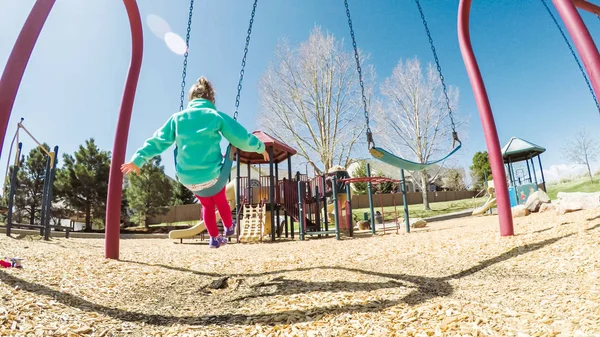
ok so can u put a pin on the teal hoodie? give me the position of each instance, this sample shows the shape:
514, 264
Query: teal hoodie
197, 132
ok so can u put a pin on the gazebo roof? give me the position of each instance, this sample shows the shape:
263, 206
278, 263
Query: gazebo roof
518, 149
281, 151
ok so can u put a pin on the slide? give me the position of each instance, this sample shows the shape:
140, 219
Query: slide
331, 210
490, 203
199, 228
189, 232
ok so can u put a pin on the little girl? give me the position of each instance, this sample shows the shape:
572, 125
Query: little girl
197, 132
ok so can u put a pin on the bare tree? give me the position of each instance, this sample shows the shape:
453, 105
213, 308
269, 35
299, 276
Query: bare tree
413, 119
453, 180
583, 149
310, 98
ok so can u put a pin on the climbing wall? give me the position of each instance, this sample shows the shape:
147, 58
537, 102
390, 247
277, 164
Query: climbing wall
252, 221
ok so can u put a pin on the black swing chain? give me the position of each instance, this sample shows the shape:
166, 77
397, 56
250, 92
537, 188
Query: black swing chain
573, 53
239, 87
439, 69
359, 69
185, 56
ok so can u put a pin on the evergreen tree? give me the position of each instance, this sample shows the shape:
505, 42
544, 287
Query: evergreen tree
363, 188
151, 191
481, 169
29, 192
182, 195
360, 172
82, 183
386, 187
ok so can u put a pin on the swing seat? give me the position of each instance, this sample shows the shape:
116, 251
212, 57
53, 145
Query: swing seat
391, 159
223, 175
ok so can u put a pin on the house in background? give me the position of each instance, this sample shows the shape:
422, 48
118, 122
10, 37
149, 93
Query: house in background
377, 168
381, 168
256, 172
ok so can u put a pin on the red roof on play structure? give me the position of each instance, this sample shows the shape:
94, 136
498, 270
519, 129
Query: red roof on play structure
281, 151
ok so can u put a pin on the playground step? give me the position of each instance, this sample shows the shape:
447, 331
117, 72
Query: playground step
455, 215
321, 232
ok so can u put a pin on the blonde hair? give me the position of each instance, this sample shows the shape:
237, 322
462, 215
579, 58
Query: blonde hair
202, 89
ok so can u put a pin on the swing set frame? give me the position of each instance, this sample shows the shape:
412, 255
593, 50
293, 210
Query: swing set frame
45, 226
588, 52
21, 53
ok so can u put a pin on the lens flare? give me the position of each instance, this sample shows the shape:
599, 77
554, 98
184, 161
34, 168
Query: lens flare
157, 25
175, 43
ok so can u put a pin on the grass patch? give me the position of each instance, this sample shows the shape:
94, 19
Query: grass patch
177, 224
580, 185
159, 228
414, 211
417, 211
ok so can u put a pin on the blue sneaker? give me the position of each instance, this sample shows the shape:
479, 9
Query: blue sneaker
217, 242
230, 231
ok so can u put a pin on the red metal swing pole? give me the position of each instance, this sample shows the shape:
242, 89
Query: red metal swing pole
587, 6
115, 181
581, 37
18, 59
487, 119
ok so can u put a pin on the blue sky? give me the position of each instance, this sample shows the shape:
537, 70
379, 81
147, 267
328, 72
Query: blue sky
72, 88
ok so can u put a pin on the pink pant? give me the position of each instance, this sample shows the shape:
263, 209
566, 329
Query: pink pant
208, 212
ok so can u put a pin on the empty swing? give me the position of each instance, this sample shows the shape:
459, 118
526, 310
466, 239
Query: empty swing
380, 153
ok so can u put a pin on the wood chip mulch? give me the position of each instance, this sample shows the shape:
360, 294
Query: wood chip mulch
452, 278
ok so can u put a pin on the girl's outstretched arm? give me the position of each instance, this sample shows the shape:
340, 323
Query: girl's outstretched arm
157, 144
239, 137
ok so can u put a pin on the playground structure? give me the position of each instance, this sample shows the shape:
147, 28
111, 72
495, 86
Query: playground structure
270, 207
252, 220
314, 204
19, 57
521, 186
320, 205
44, 226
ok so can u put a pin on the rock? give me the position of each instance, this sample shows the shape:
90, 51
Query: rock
219, 283
363, 225
378, 218
536, 200
575, 201
519, 211
547, 207
336, 168
417, 223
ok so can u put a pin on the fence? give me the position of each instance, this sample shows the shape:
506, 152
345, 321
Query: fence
177, 214
412, 198
192, 212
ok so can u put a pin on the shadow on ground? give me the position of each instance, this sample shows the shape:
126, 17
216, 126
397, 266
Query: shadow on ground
423, 289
